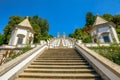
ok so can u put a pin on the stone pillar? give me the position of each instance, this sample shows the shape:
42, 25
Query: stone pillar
115, 34
110, 37
32, 38
27, 37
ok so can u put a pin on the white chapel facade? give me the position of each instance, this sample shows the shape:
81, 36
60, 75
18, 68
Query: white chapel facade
22, 33
104, 31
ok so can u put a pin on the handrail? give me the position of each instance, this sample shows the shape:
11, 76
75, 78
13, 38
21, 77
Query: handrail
106, 68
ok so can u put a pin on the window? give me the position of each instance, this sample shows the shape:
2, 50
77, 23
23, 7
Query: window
20, 40
106, 39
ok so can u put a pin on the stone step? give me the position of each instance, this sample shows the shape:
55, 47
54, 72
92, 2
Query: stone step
63, 57
60, 53
55, 79
59, 75
63, 64
59, 70
37, 61
60, 61
48, 63
60, 66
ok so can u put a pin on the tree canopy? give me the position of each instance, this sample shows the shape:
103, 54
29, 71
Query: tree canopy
90, 19
1, 39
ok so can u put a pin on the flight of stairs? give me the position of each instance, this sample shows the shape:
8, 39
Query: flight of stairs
59, 64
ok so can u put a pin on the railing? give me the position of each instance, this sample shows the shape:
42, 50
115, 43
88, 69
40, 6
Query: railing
106, 68
6, 47
55, 43
7, 50
4, 55
95, 44
11, 68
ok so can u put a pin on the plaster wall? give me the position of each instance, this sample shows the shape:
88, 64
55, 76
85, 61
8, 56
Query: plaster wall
103, 29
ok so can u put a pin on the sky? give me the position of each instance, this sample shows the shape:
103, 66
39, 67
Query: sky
62, 15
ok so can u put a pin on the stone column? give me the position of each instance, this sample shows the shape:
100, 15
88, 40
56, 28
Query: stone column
114, 33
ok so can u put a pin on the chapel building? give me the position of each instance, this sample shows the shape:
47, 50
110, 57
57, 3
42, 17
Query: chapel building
104, 31
22, 34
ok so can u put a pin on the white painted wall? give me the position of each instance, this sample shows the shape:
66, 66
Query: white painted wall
12, 37
103, 29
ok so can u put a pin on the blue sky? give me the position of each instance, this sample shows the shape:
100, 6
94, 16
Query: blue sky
62, 15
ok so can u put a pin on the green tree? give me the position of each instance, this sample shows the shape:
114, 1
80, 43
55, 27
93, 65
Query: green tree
116, 20
118, 32
2, 37
90, 19
79, 33
87, 39
35, 22
44, 27
71, 35
50, 36
41, 28
108, 17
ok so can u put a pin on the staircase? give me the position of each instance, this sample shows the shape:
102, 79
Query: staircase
59, 64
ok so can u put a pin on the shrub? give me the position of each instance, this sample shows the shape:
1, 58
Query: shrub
26, 48
112, 52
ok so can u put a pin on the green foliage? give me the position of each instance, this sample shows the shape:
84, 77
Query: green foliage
71, 35
118, 31
108, 17
25, 49
87, 39
14, 54
116, 20
78, 33
41, 28
50, 36
90, 19
112, 52
2, 37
